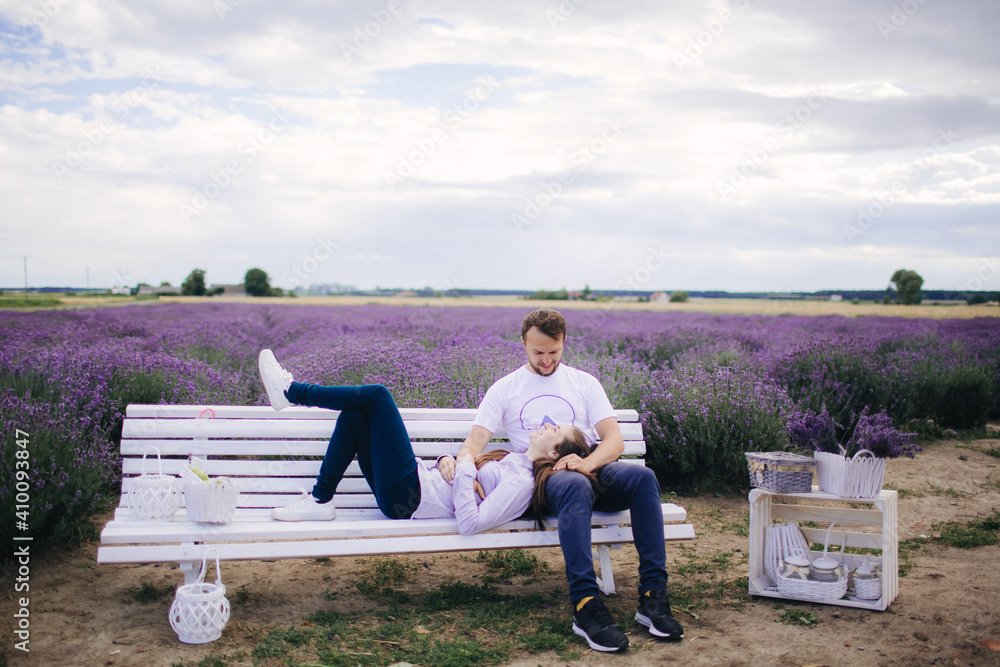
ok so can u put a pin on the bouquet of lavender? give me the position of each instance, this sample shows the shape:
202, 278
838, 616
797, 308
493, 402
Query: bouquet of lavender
819, 432
855, 468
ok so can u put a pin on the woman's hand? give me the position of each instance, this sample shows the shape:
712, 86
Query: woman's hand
446, 466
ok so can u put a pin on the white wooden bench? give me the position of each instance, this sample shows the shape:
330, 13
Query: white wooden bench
273, 455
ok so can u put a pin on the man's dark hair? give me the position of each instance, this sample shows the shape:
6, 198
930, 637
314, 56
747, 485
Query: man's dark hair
550, 322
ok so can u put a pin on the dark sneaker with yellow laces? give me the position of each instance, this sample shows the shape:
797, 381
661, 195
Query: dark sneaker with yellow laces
594, 624
654, 612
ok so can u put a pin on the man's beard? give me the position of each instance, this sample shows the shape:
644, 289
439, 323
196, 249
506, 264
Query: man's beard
538, 369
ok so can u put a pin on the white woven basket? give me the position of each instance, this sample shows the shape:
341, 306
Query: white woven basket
816, 591
868, 589
200, 611
857, 477
154, 496
213, 501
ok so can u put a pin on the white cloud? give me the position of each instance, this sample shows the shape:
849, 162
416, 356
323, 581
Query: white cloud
188, 138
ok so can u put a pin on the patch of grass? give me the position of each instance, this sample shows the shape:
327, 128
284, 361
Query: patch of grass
20, 302
279, 642
207, 661
992, 451
381, 575
244, 596
936, 490
798, 617
902, 493
972, 534
506, 563
906, 547
718, 520
460, 594
460, 652
146, 593
703, 579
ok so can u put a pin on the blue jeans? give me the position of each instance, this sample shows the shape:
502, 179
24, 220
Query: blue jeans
620, 486
369, 428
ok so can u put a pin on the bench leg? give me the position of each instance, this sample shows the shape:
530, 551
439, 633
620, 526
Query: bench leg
605, 575
190, 570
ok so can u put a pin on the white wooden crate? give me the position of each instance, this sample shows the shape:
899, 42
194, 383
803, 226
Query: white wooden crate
872, 526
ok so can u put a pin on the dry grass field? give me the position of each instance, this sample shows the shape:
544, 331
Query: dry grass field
719, 306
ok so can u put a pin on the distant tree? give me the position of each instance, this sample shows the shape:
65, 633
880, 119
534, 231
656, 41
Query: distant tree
585, 294
976, 298
545, 295
678, 296
194, 284
908, 284
256, 282
165, 283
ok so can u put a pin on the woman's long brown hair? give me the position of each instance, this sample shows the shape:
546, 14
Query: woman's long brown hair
492, 455
575, 443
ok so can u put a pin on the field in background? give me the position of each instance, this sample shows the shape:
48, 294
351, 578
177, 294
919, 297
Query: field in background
720, 306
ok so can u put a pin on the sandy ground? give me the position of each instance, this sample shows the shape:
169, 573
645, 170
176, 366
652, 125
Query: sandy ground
719, 306
948, 604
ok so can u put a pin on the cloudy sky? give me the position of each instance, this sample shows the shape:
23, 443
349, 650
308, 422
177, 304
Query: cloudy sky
717, 144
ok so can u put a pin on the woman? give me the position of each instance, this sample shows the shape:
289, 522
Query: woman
370, 429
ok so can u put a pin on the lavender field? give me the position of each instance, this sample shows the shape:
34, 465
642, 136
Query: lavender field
709, 387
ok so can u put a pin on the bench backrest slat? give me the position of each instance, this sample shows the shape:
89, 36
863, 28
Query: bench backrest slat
150, 411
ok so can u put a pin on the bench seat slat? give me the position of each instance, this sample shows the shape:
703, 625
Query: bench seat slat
368, 546
154, 411
365, 546
131, 530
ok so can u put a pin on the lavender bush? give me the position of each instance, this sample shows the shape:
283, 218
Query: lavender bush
60, 475
709, 387
699, 424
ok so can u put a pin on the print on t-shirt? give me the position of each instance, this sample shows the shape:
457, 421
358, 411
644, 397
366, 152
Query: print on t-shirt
556, 409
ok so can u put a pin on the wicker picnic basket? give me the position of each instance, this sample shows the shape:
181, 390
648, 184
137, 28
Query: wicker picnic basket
816, 591
154, 495
781, 472
857, 477
200, 611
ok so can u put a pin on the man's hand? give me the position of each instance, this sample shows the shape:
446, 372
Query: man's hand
574, 463
446, 466
464, 456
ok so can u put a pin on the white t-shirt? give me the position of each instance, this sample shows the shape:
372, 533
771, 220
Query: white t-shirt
521, 401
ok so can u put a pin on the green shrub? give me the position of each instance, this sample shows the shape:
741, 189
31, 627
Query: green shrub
679, 296
959, 396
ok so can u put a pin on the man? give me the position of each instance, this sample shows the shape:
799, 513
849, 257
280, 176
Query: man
545, 391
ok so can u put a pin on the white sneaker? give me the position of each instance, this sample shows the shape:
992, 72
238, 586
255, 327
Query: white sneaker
305, 508
275, 378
